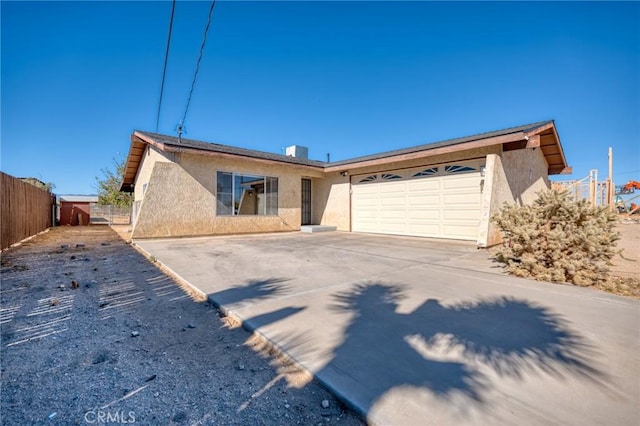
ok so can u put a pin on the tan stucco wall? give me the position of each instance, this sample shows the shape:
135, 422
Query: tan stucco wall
180, 198
149, 158
511, 177
331, 197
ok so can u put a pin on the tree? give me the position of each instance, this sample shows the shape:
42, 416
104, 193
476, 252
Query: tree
109, 186
48, 186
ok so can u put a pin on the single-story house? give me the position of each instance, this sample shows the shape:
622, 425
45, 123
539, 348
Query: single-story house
447, 189
75, 210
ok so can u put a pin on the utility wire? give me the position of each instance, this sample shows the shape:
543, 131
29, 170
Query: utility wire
195, 74
166, 59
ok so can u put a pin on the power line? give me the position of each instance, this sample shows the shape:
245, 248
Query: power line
166, 59
195, 74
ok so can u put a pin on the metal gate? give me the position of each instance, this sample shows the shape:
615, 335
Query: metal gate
306, 202
110, 215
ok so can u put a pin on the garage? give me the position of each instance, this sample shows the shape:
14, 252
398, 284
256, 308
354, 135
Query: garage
439, 201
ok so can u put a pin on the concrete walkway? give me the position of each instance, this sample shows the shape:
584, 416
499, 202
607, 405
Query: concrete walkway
415, 331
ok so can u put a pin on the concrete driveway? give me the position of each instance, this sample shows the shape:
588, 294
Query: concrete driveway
417, 331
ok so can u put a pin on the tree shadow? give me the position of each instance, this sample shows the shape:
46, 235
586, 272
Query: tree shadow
252, 291
271, 317
452, 350
444, 348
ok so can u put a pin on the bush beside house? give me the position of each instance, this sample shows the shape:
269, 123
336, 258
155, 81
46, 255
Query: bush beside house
558, 240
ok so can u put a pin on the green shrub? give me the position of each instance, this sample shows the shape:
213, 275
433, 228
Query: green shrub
556, 239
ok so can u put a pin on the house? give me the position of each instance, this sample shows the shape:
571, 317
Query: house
75, 209
447, 189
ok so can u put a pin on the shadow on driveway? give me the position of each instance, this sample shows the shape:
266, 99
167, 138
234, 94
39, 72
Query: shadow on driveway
441, 348
508, 335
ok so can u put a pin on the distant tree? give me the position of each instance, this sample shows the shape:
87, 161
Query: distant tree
109, 185
48, 186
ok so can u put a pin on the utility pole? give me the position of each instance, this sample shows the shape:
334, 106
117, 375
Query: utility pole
610, 186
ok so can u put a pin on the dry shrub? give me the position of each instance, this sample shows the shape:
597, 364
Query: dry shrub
556, 239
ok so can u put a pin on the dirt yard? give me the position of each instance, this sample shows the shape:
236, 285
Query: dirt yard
625, 272
92, 332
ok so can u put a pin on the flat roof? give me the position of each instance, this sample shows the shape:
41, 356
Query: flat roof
78, 198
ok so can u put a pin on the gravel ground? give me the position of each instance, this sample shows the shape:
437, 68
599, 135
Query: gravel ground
94, 333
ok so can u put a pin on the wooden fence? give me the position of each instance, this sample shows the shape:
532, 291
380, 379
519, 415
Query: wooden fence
598, 193
25, 210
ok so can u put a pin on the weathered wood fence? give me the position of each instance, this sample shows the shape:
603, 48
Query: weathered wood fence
25, 210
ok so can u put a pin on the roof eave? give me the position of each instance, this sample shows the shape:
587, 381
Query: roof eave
429, 152
134, 157
556, 160
139, 140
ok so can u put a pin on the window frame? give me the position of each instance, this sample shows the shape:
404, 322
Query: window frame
267, 183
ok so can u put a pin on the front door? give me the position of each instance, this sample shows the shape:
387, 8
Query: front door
306, 202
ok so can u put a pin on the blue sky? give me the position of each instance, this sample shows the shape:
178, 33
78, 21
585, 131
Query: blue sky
345, 78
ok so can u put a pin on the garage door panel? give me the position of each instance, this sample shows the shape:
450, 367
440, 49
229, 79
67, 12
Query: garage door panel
393, 202
423, 185
391, 187
394, 228
370, 214
423, 199
423, 229
455, 182
451, 200
364, 203
365, 200
389, 217
441, 206
367, 188
460, 231
467, 215
423, 214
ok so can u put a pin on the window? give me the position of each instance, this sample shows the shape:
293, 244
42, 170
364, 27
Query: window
427, 172
239, 195
371, 178
458, 169
390, 176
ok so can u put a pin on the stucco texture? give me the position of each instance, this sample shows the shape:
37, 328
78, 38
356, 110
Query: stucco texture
331, 201
150, 157
511, 177
180, 198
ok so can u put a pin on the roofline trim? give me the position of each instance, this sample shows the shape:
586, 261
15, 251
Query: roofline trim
551, 125
520, 133
425, 153
188, 150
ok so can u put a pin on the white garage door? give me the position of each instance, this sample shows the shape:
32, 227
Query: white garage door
440, 201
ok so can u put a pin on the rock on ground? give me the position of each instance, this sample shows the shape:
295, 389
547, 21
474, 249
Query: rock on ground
129, 343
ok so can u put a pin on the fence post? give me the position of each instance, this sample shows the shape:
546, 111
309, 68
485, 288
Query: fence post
593, 186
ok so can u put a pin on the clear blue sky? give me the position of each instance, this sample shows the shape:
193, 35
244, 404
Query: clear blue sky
348, 78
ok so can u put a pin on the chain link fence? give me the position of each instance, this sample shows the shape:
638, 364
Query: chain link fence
110, 215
